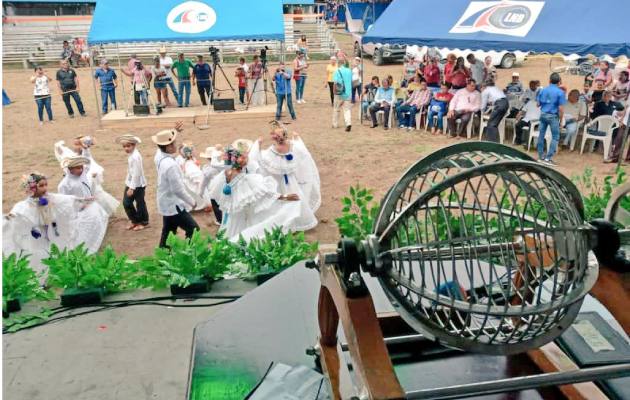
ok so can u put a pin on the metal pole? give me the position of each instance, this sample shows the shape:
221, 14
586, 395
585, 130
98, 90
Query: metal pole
523, 383
362, 82
623, 144
122, 81
98, 109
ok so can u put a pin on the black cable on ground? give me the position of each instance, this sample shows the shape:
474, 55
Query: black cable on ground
126, 303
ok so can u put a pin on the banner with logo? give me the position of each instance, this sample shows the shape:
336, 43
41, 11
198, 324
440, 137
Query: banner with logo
553, 26
117, 21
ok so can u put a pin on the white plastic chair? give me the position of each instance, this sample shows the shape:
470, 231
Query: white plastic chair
605, 124
534, 132
484, 123
577, 133
380, 116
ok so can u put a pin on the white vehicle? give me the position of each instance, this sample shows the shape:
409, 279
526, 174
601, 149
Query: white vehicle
501, 59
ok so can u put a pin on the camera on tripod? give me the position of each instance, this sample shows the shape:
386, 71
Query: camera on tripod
263, 55
214, 53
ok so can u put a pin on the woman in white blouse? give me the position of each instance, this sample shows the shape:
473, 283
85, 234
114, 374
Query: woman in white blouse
41, 91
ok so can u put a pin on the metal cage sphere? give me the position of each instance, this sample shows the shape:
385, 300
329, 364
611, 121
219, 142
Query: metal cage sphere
482, 249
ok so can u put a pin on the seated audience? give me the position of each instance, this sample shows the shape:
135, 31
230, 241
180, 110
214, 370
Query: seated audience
407, 111
514, 88
621, 88
438, 108
369, 92
432, 73
383, 101
465, 102
574, 112
500, 106
490, 71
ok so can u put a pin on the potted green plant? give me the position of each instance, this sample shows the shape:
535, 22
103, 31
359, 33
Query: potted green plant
19, 283
276, 251
86, 278
182, 265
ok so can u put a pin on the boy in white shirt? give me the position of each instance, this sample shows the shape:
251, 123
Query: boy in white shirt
135, 185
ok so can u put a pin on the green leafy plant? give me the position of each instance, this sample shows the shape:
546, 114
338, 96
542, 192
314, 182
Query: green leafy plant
19, 281
275, 252
595, 195
358, 214
24, 320
186, 259
76, 269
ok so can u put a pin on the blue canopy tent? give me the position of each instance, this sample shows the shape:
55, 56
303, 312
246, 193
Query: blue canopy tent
366, 13
122, 21
176, 20
553, 26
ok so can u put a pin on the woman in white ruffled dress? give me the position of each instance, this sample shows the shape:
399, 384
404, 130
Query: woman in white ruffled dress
40, 220
250, 202
291, 165
193, 175
93, 219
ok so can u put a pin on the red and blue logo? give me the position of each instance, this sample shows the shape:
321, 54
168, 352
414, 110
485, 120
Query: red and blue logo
514, 18
191, 17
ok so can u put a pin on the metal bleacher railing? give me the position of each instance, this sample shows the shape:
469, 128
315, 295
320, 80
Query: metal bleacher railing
32, 42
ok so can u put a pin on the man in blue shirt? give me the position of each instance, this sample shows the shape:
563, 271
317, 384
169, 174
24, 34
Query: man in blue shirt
551, 101
383, 101
106, 77
201, 77
282, 81
342, 79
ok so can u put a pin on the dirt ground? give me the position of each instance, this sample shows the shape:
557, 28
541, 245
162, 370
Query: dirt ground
370, 157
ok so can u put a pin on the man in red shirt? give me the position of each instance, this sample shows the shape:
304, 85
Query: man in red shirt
432, 73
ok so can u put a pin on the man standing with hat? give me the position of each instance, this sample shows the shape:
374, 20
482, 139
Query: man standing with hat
108, 82
182, 69
172, 198
135, 184
201, 77
167, 62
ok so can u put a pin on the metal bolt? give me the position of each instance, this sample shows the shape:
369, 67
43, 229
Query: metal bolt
354, 280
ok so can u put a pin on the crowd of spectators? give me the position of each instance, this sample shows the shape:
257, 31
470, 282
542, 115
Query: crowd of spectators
464, 90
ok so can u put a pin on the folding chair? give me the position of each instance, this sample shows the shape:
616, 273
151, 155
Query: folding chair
605, 124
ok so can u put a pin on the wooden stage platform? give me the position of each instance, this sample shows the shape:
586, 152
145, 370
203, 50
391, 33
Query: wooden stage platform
197, 115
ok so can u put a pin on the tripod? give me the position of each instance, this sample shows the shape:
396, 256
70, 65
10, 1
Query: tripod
265, 78
215, 65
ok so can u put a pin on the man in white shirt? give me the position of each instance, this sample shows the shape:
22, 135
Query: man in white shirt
167, 62
500, 106
172, 199
135, 184
528, 113
383, 101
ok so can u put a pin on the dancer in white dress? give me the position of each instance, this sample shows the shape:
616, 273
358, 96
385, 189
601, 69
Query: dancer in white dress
193, 176
40, 220
80, 147
212, 168
250, 202
293, 168
245, 146
92, 221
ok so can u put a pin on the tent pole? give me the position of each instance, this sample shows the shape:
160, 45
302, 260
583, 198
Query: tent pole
98, 109
623, 145
122, 81
362, 83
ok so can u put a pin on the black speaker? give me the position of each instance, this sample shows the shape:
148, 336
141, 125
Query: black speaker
223, 105
140, 109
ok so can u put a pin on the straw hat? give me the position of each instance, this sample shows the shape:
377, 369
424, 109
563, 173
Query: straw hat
77, 161
162, 50
86, 140
211, 152
243, 145
128, 138
515, 74
165, 137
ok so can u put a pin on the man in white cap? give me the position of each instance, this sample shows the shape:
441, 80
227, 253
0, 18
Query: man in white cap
514, 88
167, 62
172, 199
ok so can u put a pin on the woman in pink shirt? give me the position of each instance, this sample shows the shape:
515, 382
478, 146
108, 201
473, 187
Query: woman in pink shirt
448, 67
459, 75
432, 73
604, 74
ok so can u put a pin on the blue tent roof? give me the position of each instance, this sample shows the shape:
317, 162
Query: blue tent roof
180, 20
554, 26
